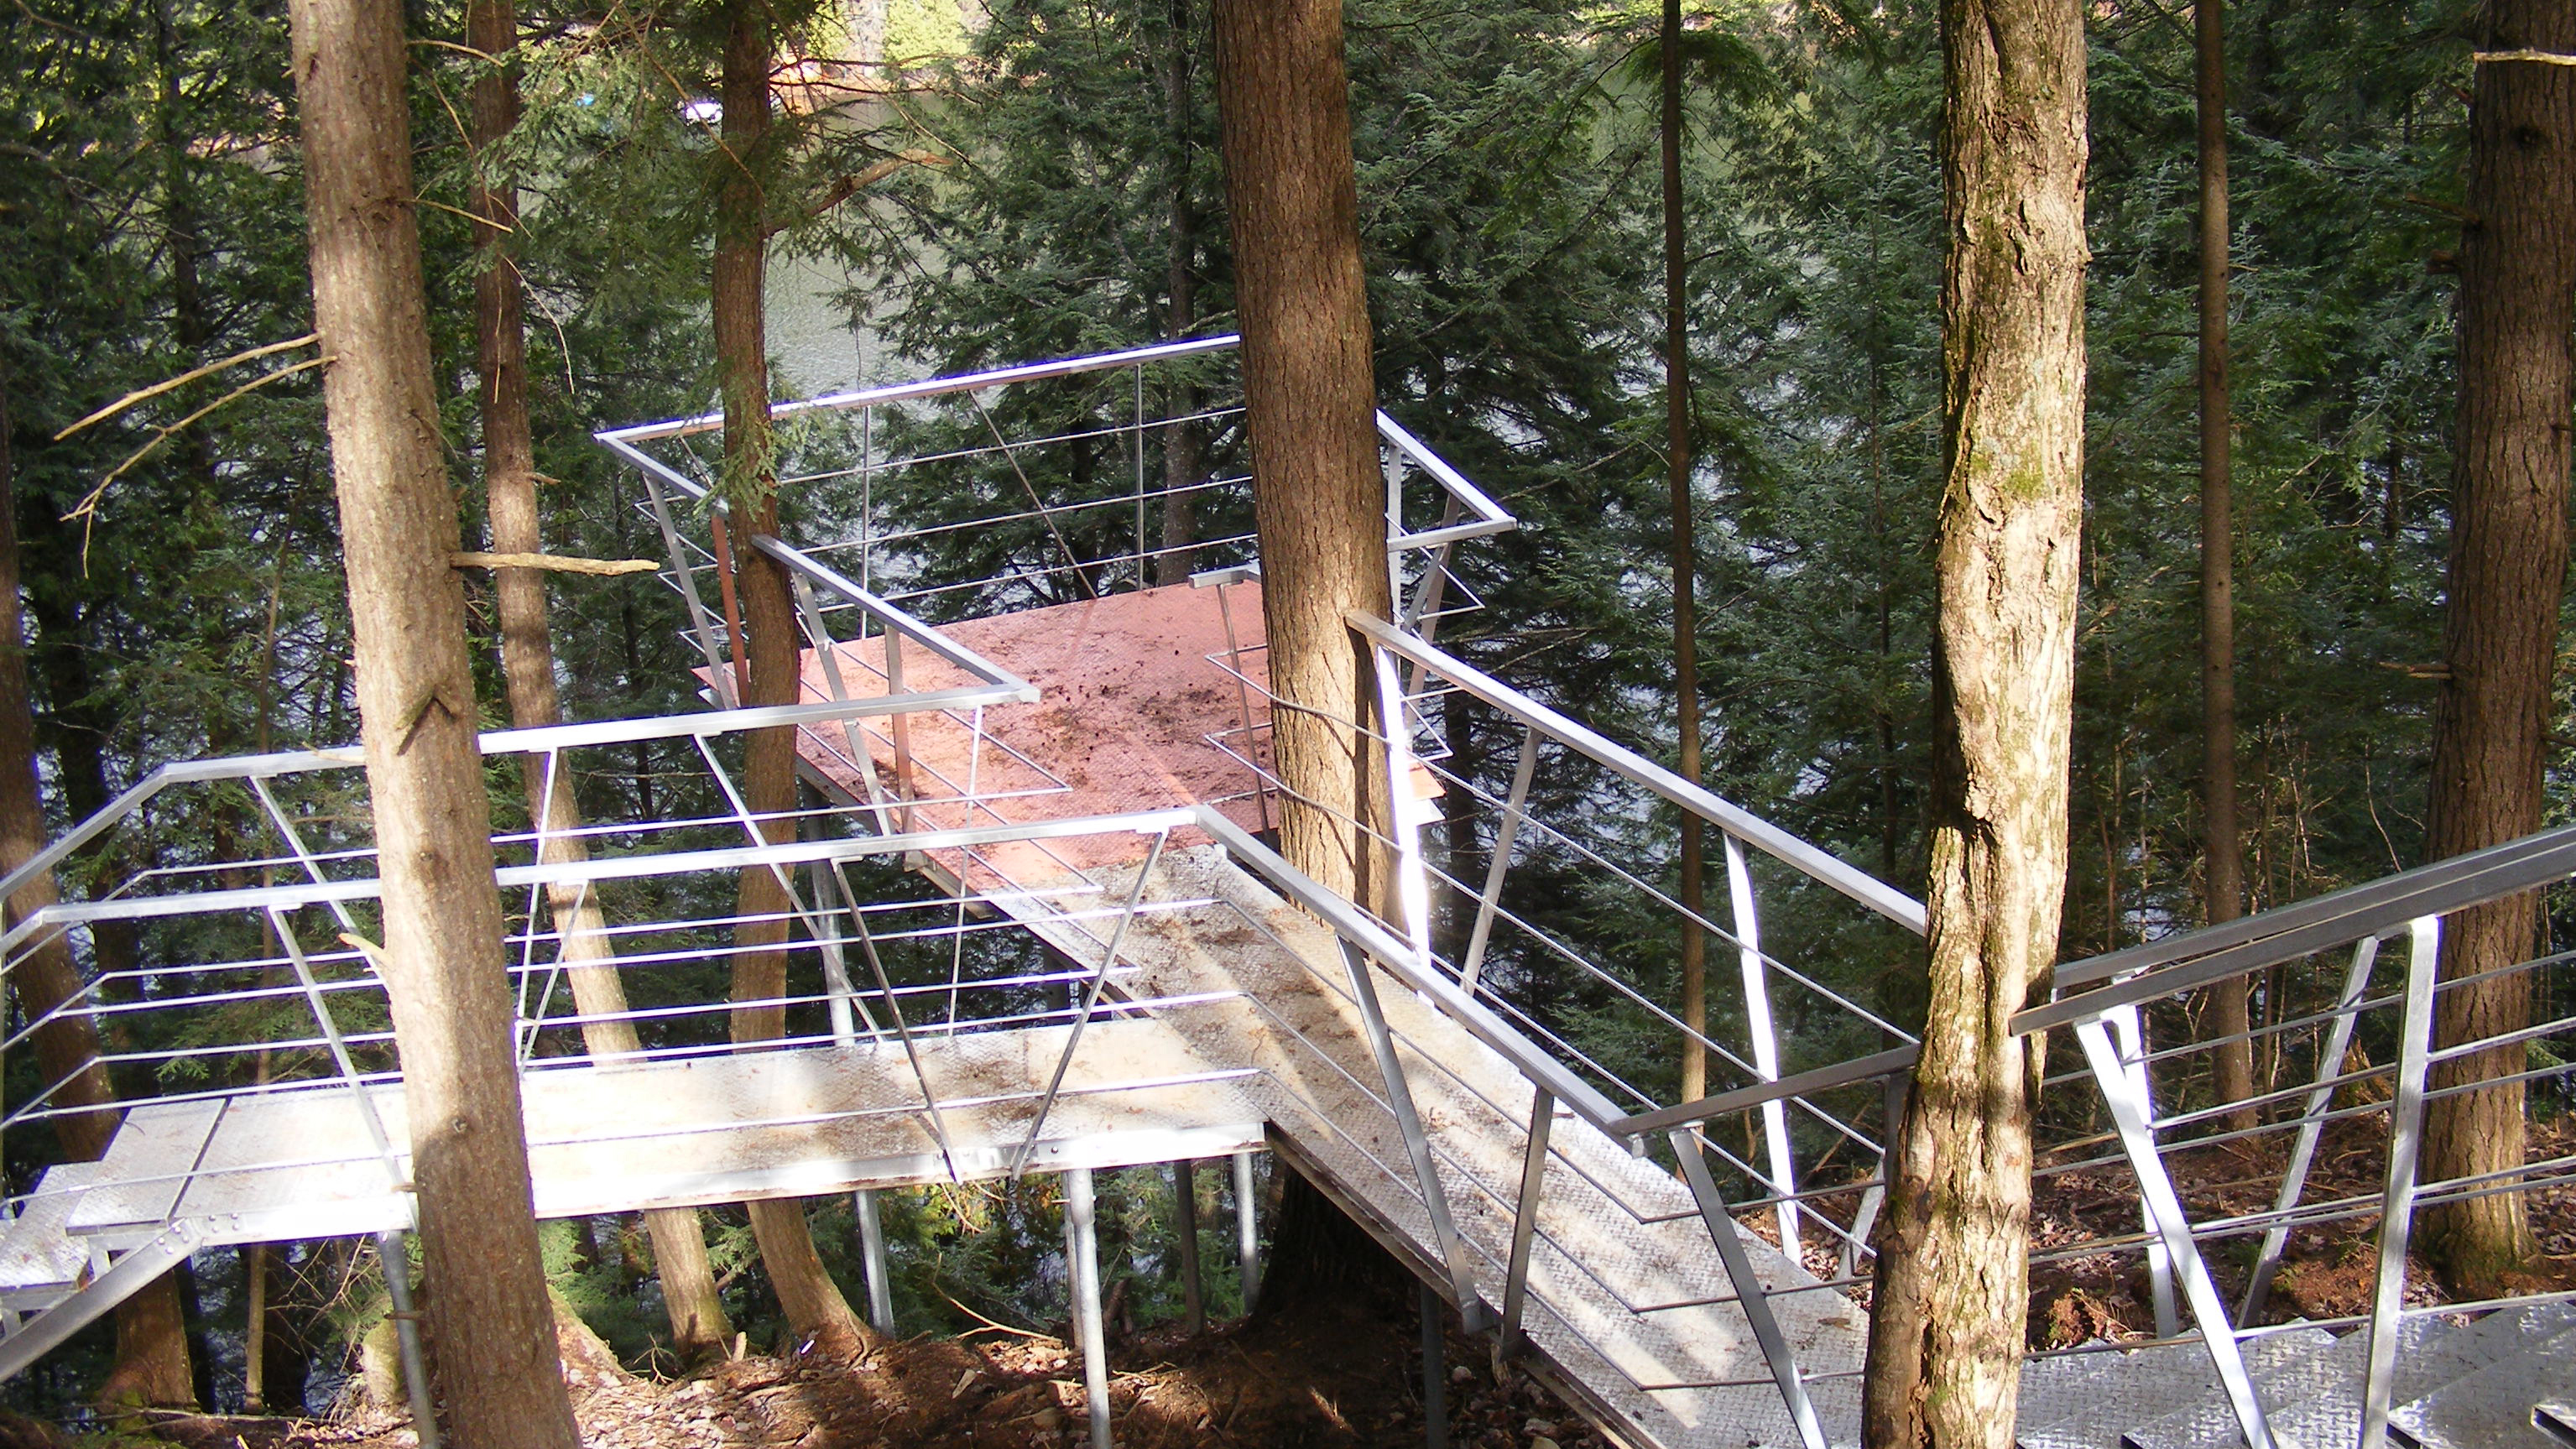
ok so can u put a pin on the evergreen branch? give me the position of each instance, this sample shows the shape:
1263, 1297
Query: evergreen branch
460, 211
851, 185
183, 379
88, 507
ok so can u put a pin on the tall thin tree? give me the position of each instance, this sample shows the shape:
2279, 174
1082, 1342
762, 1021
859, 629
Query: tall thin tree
1946, 1327
2504, 578
698, 1323
441, 959
152, 1365
1685, 554
2222, 852
813, 1302
1319, 500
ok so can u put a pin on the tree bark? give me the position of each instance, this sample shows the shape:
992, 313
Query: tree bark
2222, 853
1685, 558
441, 960
698, 1322
815, 1308
1319, 501
1946, 1328
152, 1366
2505, 575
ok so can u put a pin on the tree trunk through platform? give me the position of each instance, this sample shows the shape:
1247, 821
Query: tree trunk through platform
441, 959
1319, 501
1685, 556
698, 1323
2506, 571
1946, 1329
813, 1302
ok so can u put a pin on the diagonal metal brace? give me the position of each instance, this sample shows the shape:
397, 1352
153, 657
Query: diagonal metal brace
1472, 1309
1750, 1296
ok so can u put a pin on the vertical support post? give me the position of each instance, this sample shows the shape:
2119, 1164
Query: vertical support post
396, 1260
2131, 1036
1408, 815
1766, 1037
872, 1249
1243, 704
2164, 1216
1491, 899
867, 493
1086, 1300
1872, 1199
1435, 1372
900, 725
1247, 1232
2312, 1123
699, 621
2397, 1202
1185, 1221
1542, 1118
1144, 569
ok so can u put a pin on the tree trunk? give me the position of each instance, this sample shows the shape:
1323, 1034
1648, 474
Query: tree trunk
1180, 440
698, 1323
1685, 558
441, 960
151, 1366
1319, 501
2222, 854
813, 1302
1946, 1329
2507, 567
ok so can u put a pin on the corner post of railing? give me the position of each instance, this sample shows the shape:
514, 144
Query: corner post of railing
2121, 1092
1243, 703
1405, 813
2397, 1203
867, 493
1144, 558
2312, 1122
1752, 1299
1510, 1339
900, 725
1765, 1034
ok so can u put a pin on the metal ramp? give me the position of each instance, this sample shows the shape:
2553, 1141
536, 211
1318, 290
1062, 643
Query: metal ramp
1033, 927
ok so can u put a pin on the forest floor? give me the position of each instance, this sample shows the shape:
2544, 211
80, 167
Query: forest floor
1326, 1374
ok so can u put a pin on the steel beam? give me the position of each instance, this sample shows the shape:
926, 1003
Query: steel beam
1542, 1119
1247, 1232
1453, 1249
396, 1260
1492, 896
872, 1250
1751, 1298
1085, 1240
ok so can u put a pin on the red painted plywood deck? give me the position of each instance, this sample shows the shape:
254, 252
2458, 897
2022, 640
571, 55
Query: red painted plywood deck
1128, 699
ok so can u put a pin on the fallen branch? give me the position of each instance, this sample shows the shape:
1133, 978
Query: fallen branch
2534, 57
554, 563
182, 380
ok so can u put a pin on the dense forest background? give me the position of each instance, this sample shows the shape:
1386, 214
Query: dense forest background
182, 565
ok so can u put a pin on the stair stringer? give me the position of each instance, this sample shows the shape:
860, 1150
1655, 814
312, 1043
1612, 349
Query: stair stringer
52, 1327
1628, 1297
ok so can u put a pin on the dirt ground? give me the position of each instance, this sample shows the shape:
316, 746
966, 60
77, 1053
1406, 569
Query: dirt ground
1322, 1376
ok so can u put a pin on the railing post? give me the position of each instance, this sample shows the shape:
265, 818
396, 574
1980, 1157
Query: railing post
872, 1249
2131, 1035
1542, 1119
699, 622
1417, 1145
2397, 1202
396, 1261
1751, 1298
2312, 1122
1504, 833
1766, 1038
1247, 1232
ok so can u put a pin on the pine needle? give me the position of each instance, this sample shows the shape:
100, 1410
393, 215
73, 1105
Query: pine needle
182, 380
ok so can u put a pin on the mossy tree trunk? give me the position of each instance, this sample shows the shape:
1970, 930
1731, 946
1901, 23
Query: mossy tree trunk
1946, 1329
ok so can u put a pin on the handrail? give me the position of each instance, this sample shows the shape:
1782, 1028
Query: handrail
938, 386
2253, 943
1753, 830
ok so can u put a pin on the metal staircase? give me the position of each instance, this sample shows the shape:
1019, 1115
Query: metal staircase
1036, 928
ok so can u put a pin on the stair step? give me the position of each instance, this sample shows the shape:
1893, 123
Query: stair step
39, 1261
2492, 1408
149, 1160
2431, 1352
2209, 1422
2151, 1383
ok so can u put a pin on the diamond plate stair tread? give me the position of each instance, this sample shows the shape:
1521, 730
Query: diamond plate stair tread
2150, 1384
2491, 1408
146, 1166
36, 1253
1319, 1089
2209, 1422
2431, 1352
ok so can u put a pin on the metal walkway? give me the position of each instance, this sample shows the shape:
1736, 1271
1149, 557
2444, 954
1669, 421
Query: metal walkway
1033, 927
